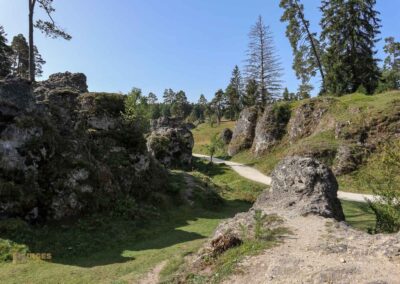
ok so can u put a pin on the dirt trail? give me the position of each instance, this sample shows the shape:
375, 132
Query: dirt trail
255, 175
321, 252
153, 276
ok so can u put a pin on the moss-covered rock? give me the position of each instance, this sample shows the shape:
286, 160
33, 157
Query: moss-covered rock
171, 143
70, 153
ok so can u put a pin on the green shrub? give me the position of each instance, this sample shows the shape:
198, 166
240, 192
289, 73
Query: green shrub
104, 103
384, 181
9, 248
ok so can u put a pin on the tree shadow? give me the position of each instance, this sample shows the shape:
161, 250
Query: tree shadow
101, 240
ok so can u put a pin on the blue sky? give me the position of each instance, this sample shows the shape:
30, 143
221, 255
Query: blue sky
191, 45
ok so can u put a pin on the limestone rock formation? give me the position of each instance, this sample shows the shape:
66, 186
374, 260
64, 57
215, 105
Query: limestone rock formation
243, 134
307, 117
171, 143
72, 81
66, 149
271, 126
226, 136
302, 186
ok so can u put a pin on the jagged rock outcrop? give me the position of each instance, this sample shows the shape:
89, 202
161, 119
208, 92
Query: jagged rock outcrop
75, 82
226, 136
270, 128
171, 143
243, 134
60, 153
306, 117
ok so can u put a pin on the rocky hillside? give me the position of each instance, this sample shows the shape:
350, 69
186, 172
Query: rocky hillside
65, 151
341, 131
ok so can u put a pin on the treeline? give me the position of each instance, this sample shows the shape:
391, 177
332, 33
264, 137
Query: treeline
342, 56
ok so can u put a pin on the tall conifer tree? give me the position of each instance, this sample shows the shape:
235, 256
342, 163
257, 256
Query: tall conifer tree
263, 64
349, 33
305, 46
5, 55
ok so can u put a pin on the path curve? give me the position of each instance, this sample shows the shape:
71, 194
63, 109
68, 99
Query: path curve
255, 175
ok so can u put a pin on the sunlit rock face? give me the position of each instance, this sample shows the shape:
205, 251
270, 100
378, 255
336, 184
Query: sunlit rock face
244, 131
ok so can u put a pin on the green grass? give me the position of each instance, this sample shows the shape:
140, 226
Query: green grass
202, 134
128, 251
109, 249
353, 110
231, 185
359, 215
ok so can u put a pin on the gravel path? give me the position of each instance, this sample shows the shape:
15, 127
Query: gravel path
255, 175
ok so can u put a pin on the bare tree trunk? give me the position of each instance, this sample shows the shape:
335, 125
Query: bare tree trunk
263, 99
311, 39
31, 46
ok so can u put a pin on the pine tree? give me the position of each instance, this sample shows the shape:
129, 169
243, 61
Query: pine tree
180, 105
262, 63
152, 98
5, 55
251, 93
39, 62
169, 96
218, 105
20, 58
392, 50
49, 28
233, 94
391, 69
304, 91
349, 33
286, 95
305, 46
202, 100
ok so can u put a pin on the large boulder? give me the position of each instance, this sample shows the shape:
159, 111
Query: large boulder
171, 143
243, 134
270, 128
302, 186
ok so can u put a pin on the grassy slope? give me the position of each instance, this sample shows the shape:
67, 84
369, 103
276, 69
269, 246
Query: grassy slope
104, 249
353, 109
203, 133
357, 214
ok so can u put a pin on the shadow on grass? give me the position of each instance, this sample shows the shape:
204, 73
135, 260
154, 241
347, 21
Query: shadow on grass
359, 215
103, 239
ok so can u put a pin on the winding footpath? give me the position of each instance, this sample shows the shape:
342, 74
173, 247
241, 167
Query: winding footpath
255, 175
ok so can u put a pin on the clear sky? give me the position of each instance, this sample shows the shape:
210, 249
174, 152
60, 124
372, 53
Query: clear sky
191, 45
